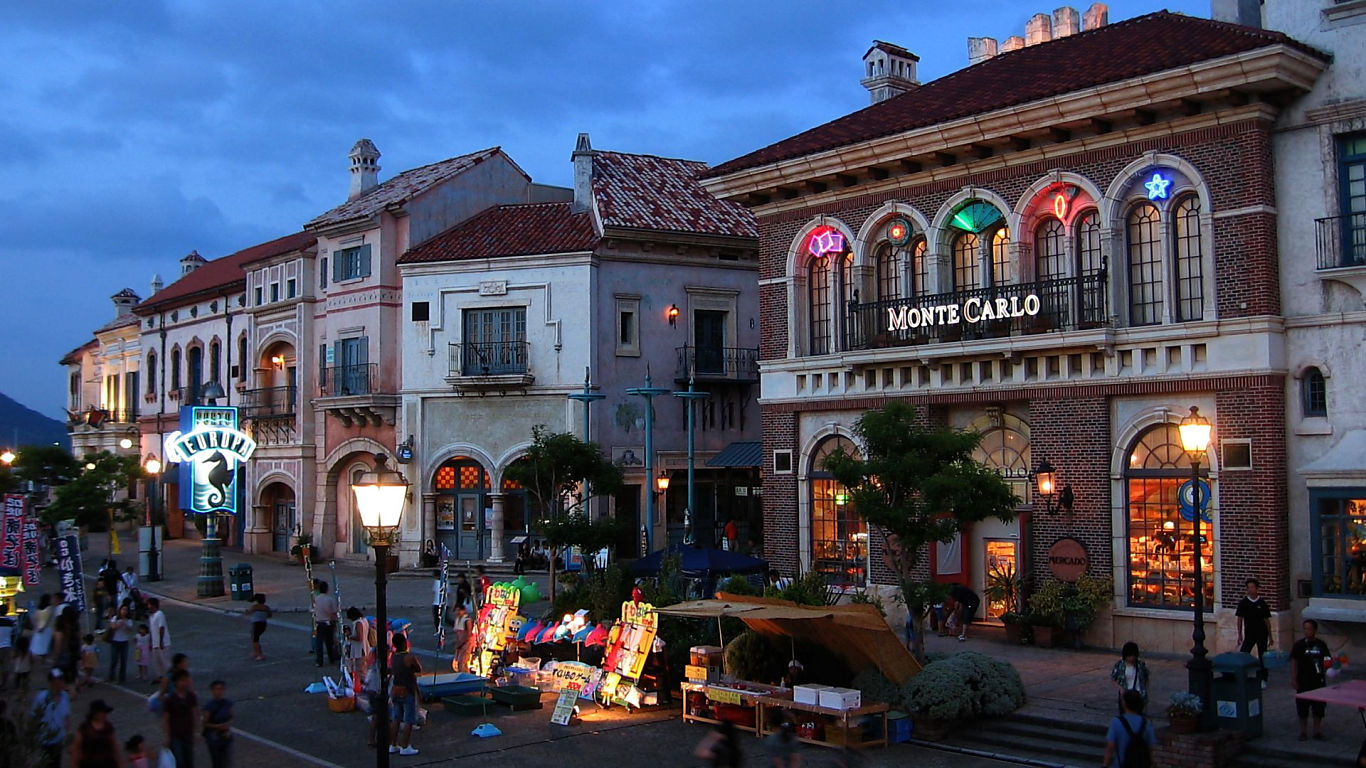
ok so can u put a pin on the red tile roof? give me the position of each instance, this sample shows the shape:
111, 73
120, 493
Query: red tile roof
1113, 53
510, 230
74, 356
126, 319
223, 273
401, 188
662, 194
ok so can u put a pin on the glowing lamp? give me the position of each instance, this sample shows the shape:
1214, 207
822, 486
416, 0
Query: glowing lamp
1060, 205
662, 482
89, 465
899, 232
278, 361
1195, 434
841, 499
125, 443
380, 495
1047, 479
152, 465
673, 315
7, 457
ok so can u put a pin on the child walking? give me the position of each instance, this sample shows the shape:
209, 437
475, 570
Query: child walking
144, 650
90, 657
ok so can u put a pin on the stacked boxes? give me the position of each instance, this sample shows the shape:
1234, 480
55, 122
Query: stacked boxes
840, 698
809, 694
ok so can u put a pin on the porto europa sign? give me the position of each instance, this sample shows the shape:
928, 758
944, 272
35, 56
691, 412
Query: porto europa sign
208, 447
973, 310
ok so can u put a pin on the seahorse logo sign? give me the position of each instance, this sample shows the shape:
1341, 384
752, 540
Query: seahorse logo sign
208, 448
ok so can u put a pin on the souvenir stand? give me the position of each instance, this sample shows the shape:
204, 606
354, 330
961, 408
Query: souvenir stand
493, 628
628, 647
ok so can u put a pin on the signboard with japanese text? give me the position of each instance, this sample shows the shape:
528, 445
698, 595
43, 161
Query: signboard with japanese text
12, 531
493, 627
209, 447
631, 640
69, 566
33, 560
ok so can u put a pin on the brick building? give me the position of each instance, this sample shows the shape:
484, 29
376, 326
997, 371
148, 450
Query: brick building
1065, 247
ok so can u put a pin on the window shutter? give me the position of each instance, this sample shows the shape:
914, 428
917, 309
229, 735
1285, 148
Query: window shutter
322, 274
322, 367
365, 260
363, 343
338, 265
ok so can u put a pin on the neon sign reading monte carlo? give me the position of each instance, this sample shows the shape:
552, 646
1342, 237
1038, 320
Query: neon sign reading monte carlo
973, 310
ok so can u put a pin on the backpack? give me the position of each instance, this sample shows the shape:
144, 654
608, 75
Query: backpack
1137, 754
371, 635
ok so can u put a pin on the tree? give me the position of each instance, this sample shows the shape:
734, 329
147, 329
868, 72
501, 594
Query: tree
88, 498
917, 485
46, 466
553, 472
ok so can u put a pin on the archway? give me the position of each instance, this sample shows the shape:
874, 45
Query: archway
461, 485
282, 515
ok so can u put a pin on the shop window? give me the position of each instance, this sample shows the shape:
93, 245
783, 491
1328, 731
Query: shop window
1145, 265
1315, 393
1340, 542
1189, 253
1160, 528
818, 287
1005, 449
839, 537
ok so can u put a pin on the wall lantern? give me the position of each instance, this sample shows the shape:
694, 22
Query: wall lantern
1046, 478
673, 315
662, 482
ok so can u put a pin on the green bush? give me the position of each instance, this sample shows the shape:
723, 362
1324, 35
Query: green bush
810, 589
964, 686
750, 656
600, 592
737, 585
875, 687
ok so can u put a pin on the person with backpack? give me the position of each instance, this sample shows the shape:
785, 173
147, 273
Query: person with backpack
1129, 742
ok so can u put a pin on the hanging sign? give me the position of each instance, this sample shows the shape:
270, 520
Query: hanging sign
492, 627
12, 531
33, 562
899, 232
209, 446
1067, 560
69, 566
1185, 500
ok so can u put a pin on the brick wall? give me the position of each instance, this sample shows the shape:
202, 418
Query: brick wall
1253, 519
780, 492
1073, 434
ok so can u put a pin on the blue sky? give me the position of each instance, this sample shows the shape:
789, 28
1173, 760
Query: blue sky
135, 132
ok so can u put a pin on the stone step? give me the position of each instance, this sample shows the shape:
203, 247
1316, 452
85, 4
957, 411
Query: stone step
1254, 756
1058, 746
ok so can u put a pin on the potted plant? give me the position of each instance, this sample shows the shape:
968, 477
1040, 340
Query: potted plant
1016, 625
1082, 602
1003, 587
1184, 712
1046, 612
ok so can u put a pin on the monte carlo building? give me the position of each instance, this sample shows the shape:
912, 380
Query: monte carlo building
1064, 246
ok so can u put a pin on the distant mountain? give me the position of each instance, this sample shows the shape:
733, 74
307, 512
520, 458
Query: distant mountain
29, 426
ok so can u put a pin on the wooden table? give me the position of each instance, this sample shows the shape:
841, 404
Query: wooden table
763, 697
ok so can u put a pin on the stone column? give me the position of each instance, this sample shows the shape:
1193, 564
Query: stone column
427, 530
496, 528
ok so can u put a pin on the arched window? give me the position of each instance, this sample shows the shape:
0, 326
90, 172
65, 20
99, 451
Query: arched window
1000, 257
242, 358
152, 373
966, 261
175, 368
818, 300
1189, 259
1050, 252
1145, 265
839, 537
1315, 393
515, 518
194, 361
1089, 257
1006, 450
920, 270
849, 290
215, 361
888, 273
1161, 522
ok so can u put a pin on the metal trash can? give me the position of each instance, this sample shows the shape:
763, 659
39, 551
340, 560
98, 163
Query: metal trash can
240, 580
1238, 693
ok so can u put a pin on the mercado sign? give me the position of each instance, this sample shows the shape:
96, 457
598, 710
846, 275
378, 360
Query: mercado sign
209, 446
1067, 560
973, 310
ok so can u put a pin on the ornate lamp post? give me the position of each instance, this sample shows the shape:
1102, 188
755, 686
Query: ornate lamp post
1196, 432
587, 396
152, 466
690, 398
380, 495
649, 392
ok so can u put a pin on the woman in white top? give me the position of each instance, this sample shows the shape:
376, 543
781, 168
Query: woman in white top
43, 620
358, 642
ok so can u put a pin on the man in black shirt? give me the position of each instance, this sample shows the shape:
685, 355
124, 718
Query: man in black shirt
1308, 662
966, 603
1254, 625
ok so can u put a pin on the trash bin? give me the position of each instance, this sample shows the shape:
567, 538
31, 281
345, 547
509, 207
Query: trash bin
240, 580
1238, 693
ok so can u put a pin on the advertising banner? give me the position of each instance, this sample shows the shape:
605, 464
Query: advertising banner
209, 446
33, 560
69, 566
12, 531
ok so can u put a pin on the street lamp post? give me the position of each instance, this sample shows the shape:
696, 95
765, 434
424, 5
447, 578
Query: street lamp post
649, 392
587, 396
1195, 439
152, 466
380, 495
690, 398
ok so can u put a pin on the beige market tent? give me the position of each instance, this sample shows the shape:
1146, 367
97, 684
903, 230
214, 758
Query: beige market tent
856, 633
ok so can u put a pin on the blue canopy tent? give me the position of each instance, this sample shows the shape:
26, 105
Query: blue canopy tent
702, 564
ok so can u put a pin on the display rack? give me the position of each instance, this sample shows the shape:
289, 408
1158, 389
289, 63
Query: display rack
764, 699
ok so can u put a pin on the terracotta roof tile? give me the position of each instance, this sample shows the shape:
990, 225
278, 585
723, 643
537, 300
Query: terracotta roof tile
510, 230
1140, 46
657, 193
222, 273
400, 189
74, 356
126, 319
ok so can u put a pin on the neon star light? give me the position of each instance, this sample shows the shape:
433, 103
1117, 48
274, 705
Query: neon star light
1157, 187
825, 241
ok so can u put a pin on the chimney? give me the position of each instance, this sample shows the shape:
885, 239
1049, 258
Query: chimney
1245, 12
888, 70
190, 262
1039, 29
1097, 16
1066, 21
364, 168
157, 284
583, 174
124, 301
1012, 43
980, 49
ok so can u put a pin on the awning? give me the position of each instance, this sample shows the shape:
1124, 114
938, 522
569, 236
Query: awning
706, 609
744, 453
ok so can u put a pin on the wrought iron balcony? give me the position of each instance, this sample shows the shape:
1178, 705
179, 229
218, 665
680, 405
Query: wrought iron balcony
349, 380
1065, 304
489, 358
717, 363
269, 402
1341, 241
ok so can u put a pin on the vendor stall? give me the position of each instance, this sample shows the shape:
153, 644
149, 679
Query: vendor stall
493, 628
762, 709
629, 644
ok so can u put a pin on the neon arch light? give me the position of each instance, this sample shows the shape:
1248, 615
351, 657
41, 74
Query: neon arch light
825, 241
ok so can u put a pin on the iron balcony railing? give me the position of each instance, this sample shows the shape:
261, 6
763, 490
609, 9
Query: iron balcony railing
1064, 304
349, 380
1341, 241
717, 363
269, 401
489, 358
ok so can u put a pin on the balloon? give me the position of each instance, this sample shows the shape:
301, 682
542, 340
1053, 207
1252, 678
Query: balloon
530, 593
1332, 672
519, 582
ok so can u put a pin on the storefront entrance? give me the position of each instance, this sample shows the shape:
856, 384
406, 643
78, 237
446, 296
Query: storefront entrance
1002, 575
461, 508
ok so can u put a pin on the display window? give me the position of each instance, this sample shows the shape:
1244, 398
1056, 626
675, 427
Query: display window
1340, 542
1161, 523
839, 536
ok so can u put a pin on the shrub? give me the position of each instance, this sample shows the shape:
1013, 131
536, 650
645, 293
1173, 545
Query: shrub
810, 589
737, 585
964, 686
750, 656
876, 687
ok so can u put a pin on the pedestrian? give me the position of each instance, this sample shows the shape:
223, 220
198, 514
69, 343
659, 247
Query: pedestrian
405, 668
218, 717
258, 613
325, 624
462, 590
966, 603
523, 556
43, 630
1130, 674
95, 745
161, 638
90, 658
1254, 625
23, 662
732, 532
461, 635
438, 597
720, 748
370, 690
8, 630
482, 586
1308, 671
144, 651
429, 557
1130, 737
129, 591
179, 715
783, 747
66, 643
52, 708
135, 749
358, 649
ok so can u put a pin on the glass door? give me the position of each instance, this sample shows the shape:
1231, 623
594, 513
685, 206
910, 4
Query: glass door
1002, 577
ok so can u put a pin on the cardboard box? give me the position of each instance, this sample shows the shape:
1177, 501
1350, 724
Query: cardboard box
706, 655
841, 698
809, 694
